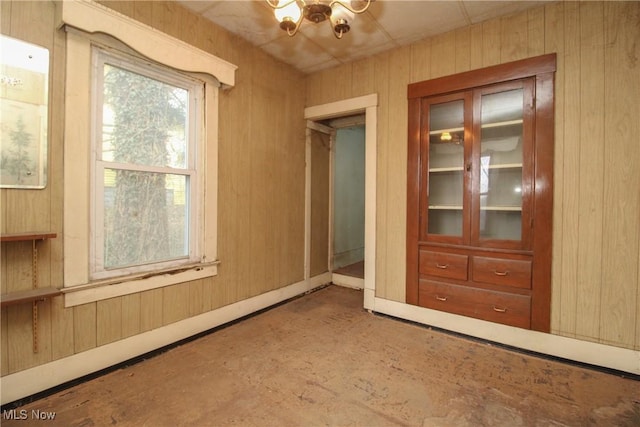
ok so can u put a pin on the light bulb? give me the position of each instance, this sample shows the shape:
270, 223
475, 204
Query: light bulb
340, 14
290, 12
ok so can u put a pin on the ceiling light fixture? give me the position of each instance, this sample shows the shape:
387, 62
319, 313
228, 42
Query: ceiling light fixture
290, 14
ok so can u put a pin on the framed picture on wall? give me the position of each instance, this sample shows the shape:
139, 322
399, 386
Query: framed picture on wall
24, 99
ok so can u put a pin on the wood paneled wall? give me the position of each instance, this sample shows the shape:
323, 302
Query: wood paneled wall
260, 205
596, 240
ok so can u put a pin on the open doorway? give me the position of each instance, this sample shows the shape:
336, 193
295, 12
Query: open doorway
348, 199
318, 114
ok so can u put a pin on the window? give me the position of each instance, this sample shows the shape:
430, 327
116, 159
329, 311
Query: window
140, 211
145, 175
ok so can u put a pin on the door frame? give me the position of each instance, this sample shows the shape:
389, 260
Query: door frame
367, 104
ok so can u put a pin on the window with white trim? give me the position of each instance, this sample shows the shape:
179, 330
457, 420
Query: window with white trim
145, 176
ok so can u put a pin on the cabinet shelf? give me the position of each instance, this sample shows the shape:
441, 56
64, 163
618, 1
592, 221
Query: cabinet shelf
502, 208
450, 130
447, 169
506, 166
502, 124
445, 207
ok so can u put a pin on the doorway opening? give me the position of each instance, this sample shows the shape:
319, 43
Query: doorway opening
334, 116
346, 242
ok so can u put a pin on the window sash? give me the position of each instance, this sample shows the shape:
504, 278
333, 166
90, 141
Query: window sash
194, 123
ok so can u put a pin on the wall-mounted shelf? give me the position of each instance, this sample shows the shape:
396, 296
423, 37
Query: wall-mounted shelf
31, 295
35, 294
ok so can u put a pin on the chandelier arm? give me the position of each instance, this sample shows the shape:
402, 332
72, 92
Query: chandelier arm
349, 8
295, 30
337, 34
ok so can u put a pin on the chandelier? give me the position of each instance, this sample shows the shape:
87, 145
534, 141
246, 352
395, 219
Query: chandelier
290, 14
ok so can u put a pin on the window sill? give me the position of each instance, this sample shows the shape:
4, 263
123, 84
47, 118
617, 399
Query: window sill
97, 291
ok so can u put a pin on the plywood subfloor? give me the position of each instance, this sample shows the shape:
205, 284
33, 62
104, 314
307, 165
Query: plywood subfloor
322, 360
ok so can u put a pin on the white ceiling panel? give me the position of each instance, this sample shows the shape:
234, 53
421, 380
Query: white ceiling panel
386, 25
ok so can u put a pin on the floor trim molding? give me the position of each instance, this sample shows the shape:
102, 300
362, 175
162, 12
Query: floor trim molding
591, 353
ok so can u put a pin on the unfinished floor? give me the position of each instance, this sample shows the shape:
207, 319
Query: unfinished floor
322, 360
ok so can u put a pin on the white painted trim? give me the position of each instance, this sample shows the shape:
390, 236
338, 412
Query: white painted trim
78, 285
34, 380
567, 348
368, 104
78, 295
347, 281
92, 17
307, 203
341, 108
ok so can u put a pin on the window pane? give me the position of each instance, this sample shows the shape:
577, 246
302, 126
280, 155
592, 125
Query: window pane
446, 171
144, 121
501, 165
145, 217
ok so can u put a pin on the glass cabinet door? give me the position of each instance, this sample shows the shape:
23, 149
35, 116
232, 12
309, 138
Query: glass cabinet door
446, 160
501, 165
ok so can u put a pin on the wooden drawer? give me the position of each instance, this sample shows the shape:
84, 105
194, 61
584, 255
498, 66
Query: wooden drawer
500, 271
499, 307
442, 264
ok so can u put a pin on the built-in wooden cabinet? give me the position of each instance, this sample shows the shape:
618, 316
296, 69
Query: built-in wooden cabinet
480, 174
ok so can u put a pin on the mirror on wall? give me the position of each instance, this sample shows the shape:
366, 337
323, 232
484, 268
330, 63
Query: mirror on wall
24, 99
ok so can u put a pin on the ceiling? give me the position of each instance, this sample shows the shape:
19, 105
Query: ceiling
387, 24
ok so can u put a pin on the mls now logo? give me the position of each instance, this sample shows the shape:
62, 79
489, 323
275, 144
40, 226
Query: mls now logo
23, 414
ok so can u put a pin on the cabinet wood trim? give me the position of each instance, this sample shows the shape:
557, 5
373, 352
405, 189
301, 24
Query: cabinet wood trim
485, 76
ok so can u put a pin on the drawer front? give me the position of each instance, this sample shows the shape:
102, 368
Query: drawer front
442, 264
500, 271
499, 307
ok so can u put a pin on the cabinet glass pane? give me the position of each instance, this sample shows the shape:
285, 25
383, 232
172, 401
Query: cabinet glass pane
501, 165
446, 175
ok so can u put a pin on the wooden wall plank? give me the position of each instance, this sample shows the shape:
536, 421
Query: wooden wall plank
491, 42
19, 337
84, 327
513, 37
363, 79
61, 329
568, 285
260, 192
396, 160
4, 343
175, 303
108, 320
196, 300
151, 306
382, 75
420, 61
130, 315
591, 153
535, 32
554, 42
320, 144
463, 50
476, 53
621, 174
291, 151
442, 47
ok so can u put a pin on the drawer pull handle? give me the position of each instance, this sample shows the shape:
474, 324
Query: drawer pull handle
442, 266
439, 298
499, 310
500, 273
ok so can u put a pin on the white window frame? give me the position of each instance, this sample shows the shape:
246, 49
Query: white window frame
88, 23
101, 57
